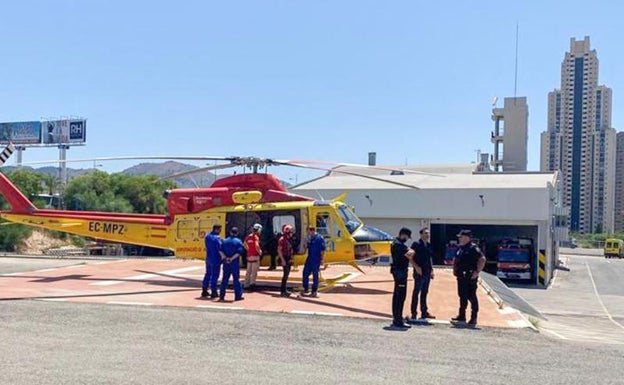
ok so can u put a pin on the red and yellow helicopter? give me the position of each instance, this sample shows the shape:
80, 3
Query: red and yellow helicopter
239, 200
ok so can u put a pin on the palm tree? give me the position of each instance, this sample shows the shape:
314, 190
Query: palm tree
51, 183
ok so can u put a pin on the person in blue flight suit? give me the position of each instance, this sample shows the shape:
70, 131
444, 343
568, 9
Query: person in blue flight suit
402, 256
231, 252
213, 262
316, 253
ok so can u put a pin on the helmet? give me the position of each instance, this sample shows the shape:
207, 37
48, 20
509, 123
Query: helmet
257, 227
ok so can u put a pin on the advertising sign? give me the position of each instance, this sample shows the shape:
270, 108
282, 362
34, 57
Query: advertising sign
20, 133
64, 131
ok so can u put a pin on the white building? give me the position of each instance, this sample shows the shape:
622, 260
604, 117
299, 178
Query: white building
580, 142
510, 135
493, 205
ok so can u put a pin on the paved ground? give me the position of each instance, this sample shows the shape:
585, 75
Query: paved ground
69, 343
85, 343
585, 303
177, 283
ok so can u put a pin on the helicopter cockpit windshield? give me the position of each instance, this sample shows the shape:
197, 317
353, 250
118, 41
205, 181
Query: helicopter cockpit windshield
351, 221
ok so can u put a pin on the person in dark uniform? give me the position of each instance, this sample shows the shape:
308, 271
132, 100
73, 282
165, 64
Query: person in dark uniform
401, 257
467, 265
423, 274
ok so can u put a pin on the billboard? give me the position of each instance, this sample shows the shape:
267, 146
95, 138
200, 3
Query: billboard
64, 131
20, 133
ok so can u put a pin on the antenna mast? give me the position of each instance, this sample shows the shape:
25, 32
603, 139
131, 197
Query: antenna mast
516, 65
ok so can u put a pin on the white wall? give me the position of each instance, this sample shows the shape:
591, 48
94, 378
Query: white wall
448, 204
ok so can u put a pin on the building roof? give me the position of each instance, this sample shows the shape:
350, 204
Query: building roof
460, 168
438, 181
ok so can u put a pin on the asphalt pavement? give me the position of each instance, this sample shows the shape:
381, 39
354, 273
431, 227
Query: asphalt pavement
585, 302
53, 343
72, 343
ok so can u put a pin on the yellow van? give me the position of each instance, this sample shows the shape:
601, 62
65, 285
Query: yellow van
614, 248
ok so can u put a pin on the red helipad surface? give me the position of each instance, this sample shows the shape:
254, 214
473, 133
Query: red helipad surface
178, 283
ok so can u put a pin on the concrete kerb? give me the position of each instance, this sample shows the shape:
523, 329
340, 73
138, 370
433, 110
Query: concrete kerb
492, 293
501, 304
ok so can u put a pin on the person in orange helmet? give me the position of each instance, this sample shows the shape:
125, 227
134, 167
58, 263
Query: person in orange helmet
285, 252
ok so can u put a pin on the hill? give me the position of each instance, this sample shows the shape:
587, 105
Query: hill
163, 169
201, 179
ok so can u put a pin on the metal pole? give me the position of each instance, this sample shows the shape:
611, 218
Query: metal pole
19, 149
63, 164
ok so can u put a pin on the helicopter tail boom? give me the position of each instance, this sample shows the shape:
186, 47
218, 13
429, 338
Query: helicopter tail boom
18, 201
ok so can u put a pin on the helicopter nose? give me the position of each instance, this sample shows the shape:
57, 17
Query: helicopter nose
371, 234
371, 243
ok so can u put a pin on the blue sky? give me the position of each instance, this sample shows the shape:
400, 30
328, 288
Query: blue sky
331, 80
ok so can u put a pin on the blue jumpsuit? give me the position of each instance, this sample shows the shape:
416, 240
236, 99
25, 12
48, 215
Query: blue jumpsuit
213, 262
316, 247
232, 246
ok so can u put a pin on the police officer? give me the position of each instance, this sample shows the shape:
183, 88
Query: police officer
316, 252
423, 274
232, 249
401, 257
466, 267
213, 262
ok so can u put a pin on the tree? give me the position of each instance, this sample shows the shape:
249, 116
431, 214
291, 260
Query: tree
95, 192
51, 183
29, 183
100, 191
145, 193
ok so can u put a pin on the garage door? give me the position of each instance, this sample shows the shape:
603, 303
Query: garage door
489, 237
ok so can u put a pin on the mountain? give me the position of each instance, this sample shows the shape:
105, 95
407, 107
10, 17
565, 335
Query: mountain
164, 169
201, 179
71, 172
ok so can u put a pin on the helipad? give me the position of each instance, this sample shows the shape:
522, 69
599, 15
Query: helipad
140, 282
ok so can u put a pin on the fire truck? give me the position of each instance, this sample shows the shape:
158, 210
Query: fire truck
514, 259
450, 252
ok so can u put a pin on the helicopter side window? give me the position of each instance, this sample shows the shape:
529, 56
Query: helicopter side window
186, 229
280, 221
326, 226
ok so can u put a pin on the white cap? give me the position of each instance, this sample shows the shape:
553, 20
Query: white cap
257, 227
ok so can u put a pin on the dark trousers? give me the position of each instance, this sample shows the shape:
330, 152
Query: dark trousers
286, 272
467, 291
399, 294
273, 261
231, 269
212, 276
421, 288
312, 269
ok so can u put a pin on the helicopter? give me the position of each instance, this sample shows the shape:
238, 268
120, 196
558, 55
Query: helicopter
240, 200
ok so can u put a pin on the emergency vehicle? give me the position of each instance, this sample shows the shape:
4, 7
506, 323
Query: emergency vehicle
514, 258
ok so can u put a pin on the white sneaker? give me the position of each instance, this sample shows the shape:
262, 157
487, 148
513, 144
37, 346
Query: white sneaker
314, 295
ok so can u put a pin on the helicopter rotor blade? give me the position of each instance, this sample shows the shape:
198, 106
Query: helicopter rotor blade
363, 166
198, 170
371, 177
114, 158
